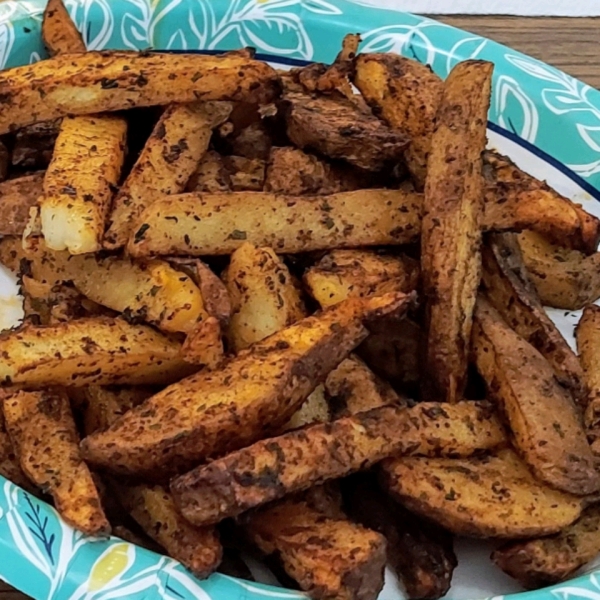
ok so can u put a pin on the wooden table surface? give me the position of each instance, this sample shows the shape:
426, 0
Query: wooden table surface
569, 44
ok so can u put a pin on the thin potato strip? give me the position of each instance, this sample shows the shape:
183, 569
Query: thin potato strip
58, 31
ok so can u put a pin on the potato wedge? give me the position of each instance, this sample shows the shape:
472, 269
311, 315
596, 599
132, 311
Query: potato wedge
90, 151
337, 128
211, 176
95, 350
451, 232
170, 156
251, 142
510, 291
546, 426
342, 274
245, 174
546, 561
517, 200
58, 30
406, 94
254, 394
43, 431
328, 557
198, 549
17, 197
299, 459
486, 496
9, 463
263, 296
203, 345
34, 145
420, 553
207, 224
563, 278
108, 81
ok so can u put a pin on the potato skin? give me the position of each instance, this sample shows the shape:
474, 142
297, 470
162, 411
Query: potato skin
210, 224
58, 31
486, 496
93, 82
17, 197
451, 231
299, 459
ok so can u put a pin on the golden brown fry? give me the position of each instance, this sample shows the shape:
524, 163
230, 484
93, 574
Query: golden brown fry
328, 557
79, 181
342, 274
43, 431
254, 394
206, 224
510, 290
245, 173
263, 296
515, 199
211, 175
545, 423
299, 459
489, 496
9, 463
17, 197
108, 81
545, 561
198, 549
406, 94
58, 31
451, 231
94, 350
166, 163
215, 294
203, 345
563, 278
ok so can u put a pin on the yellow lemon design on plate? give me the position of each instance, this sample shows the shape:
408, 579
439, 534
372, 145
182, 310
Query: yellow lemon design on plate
110, 565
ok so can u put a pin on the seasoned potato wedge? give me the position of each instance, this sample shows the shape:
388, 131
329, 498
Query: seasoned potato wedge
203, 345
17, 197
58, 31
564, 278
90, 152
211, 176
108, 81
253, 394
166, 163
510, 290
305, 457
95, 350
515, 199
406, 94
545, 423
451, 232
9, 463
545, 561
487, 496
43, 432
245, 174
328, 557
205, 224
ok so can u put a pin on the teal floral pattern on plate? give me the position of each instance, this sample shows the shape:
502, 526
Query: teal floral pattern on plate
549, 110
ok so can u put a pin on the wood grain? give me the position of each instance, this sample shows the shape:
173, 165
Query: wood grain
569, 44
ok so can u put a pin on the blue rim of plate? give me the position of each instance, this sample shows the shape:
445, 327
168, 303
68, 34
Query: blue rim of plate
549, 113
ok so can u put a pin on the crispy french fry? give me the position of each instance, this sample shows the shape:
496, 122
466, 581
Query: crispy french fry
108, 81
253, 394
9, 463
203, 345
94, 350
58, 31
166, 163
43, 431
205, 224
17, 198
451, 231
299, 459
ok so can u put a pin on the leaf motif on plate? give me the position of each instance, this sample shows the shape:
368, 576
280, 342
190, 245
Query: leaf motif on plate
320, 7
508, 94
135, 24
469, 47
98, 11
536, 68
7, 37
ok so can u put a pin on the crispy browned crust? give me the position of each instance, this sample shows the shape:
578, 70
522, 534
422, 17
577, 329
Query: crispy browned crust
486, 496
420, 552
17, 197
299, 459
214, 293
107, 81
254, 394
209, 224
406, 94
512, 293
245, 174
545, 561
451, 231
515, 199
34, 145
44, 435
328, 557
9, 463
211, 176
336, 128
58, 31
587, 334
196, 548
546, 425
